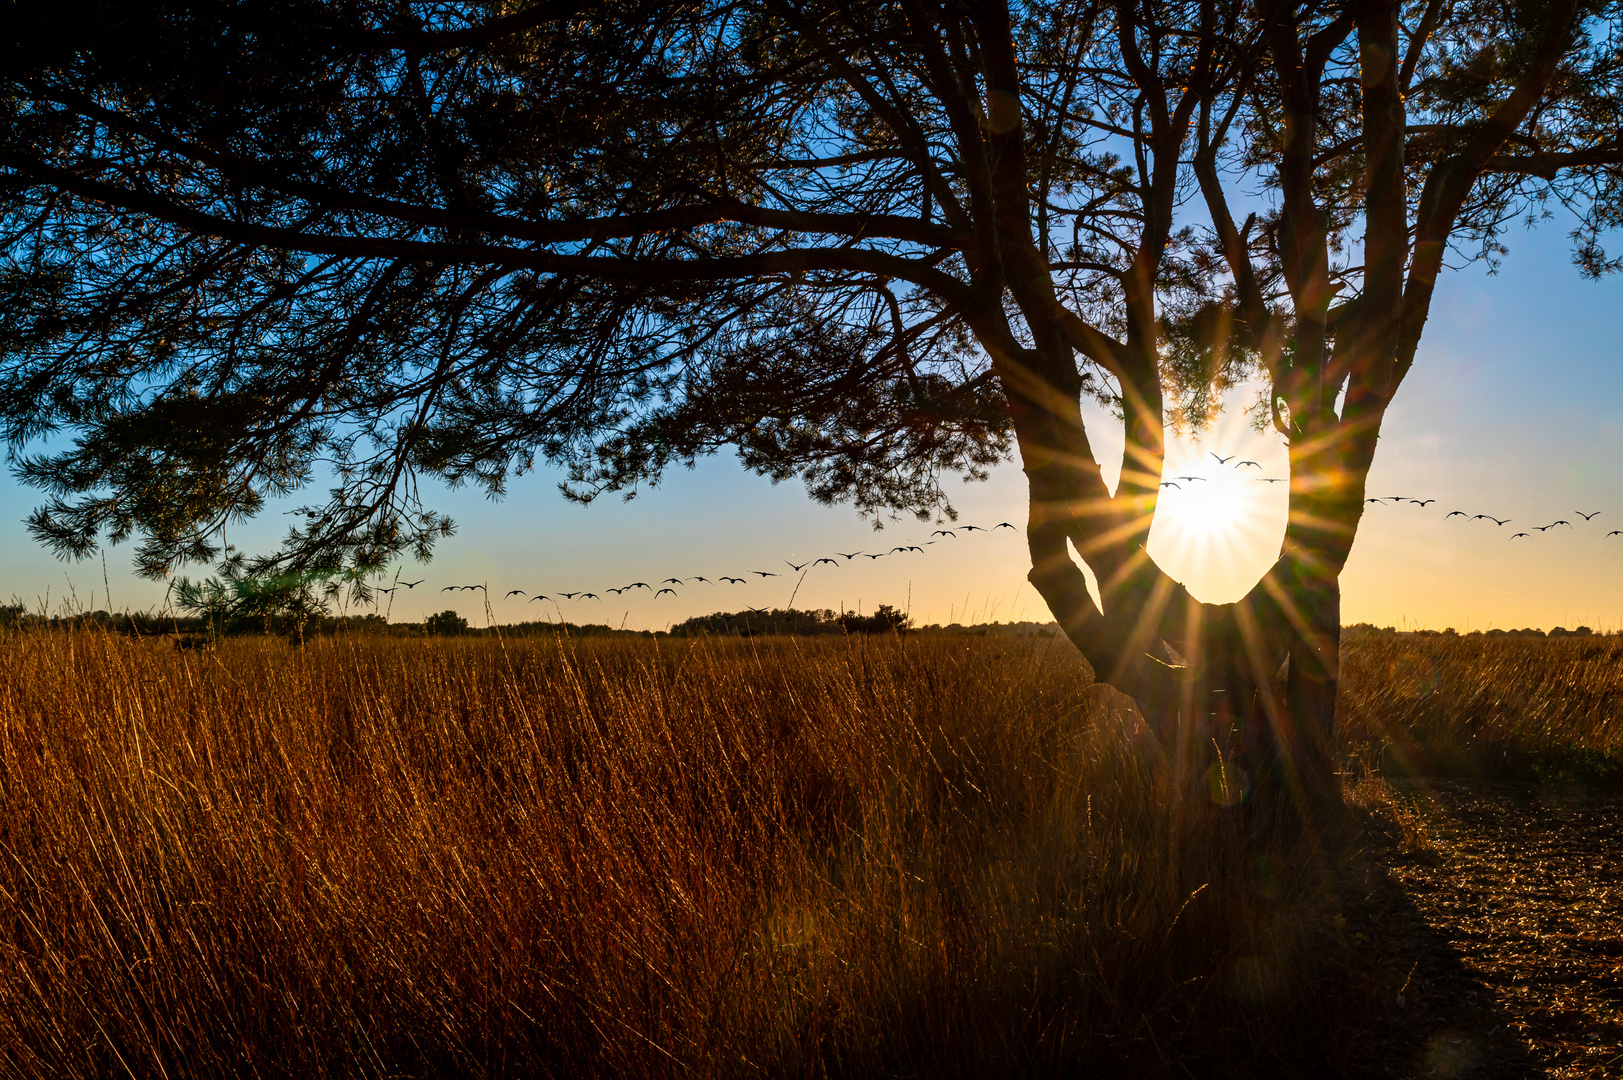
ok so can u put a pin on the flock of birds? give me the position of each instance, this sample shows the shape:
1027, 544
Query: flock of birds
1395, 499
671, 584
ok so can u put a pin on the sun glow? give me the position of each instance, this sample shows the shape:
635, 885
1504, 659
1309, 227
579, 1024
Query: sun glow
1218, 524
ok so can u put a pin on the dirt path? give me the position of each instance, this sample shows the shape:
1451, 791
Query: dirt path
1519, 968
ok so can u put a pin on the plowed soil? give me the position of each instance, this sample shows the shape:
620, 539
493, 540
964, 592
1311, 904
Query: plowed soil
1495, 935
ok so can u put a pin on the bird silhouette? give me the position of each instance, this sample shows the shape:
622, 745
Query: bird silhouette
849, 557
1397, 498
1457, 513
706, 580
1497, 521
831, 562
516, 592
618, 591
915, 547
1003, 525
971, 528
590, 596
894, 550
639, 585
1585, 516
732, 580
1514, 535
538, 596
1541, 528
757, 610
1615, 532
1372, 500
1223, 460
470, 588
1172, 483
1191, 478
795, 568
671, 581
1243, 464
413, 584
881, 555
763, 573
569, 595
1272, 479
450, 588
1553, 524
387, 590
1422, 502
945, 532
662, 592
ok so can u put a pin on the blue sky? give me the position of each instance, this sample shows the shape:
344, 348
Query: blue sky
1511, 409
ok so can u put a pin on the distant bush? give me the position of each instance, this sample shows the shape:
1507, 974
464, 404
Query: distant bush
447, 624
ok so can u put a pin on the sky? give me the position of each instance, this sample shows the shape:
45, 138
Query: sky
1511, 409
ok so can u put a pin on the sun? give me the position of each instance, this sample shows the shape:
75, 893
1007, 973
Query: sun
1218, 525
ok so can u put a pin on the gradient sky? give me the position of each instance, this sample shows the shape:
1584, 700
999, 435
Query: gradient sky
1512, 408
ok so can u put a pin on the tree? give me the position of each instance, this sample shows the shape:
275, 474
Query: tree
865, 243
447, 623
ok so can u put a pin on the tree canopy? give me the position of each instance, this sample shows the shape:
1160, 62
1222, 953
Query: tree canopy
867, 244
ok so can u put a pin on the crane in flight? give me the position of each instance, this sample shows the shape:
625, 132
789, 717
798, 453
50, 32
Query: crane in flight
639, 585
1514, 535
590, 596
1171, 483
1200, 478
1422, 502
569, 595
763, 573
515, 592
1457, 513
1615, 532
662, 592
618, 591
1272, 479
795, 568
831, 562
881, 555
1585, 516
697, 577
1003, 525
413, 584
971, 528
849, 557
1243, 464
945, 532
1490, 517
732, 580
1222, 460
671, 581
538, 596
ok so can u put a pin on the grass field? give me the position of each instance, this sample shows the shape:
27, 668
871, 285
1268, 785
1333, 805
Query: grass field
920, 856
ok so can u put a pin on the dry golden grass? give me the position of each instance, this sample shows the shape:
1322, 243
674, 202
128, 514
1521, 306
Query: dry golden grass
1477, 705
919, 856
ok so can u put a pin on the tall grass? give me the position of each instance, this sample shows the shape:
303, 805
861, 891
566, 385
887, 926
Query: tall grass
919, 856
1496, 706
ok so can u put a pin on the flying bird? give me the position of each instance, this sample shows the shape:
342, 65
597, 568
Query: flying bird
1457, 513
1398, 498
1003, 525
706, 580
671, 581
617, 592
1243, 464
732, 580
1172, 483
1191, 478
1514, 535
538, 596
1541, 528
1491, 518
795, 568
1615, 532
1553, 524
757, 610
881, 555
590, 596
569, 595
1585, 516
413, 584
894, 550
831, 562
971, 528
945, 532
763, 573
516, 592
387, 590
1422, 502
1272, 479
1372, 500
451, 588
639, 585
1223, 460
662, 592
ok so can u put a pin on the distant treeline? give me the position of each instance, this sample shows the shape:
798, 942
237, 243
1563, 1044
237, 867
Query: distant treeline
1369, 630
